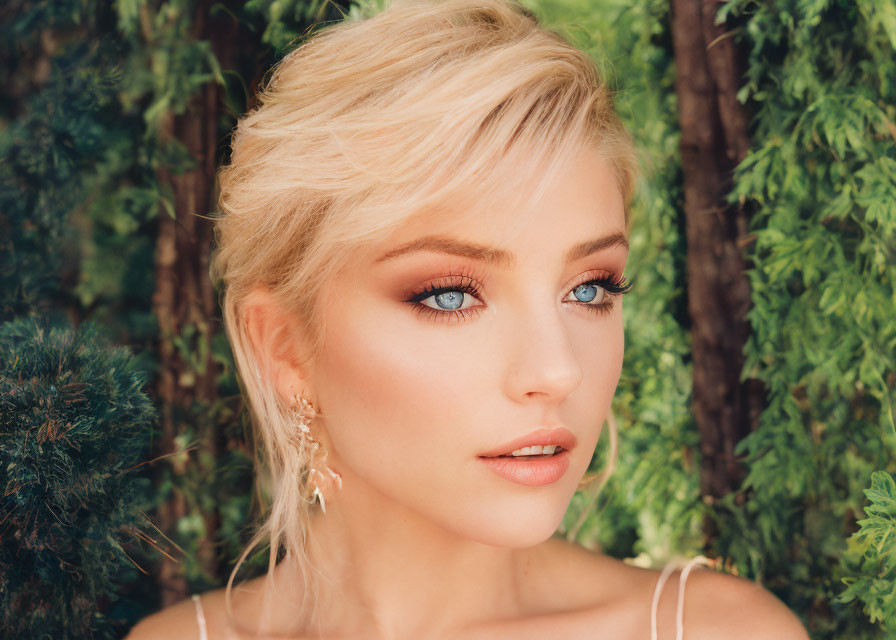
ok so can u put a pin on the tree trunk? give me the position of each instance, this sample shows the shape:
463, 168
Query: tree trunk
714, 139
185, 306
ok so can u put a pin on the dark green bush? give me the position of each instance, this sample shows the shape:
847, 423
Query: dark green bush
74, 421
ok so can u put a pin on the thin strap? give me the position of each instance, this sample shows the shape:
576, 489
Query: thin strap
200, 618
679, 629
660, 583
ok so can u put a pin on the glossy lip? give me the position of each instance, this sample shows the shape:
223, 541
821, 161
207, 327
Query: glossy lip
545, 436
533, 473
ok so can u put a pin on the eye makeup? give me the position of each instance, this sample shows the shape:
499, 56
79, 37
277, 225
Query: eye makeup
611, 284
468, 287
463, 280
466, 284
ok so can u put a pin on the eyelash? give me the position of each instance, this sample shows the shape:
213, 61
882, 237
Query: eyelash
467, 285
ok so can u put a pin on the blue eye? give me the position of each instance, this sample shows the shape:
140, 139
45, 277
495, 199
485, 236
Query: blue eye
447, 299
450, 300
588, 292
600, 290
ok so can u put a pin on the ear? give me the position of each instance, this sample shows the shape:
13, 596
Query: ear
276, 340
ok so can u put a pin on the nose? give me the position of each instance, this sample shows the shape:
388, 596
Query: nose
543, 363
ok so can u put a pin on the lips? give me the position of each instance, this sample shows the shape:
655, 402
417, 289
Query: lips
559, 436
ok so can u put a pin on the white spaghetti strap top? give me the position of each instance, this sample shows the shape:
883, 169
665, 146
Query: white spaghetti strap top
200, 618
661, 581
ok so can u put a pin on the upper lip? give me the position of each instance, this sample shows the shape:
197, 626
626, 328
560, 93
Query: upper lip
544, 437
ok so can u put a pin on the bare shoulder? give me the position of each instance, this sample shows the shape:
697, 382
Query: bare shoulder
176, 622
617, 598
180, 621
718, 605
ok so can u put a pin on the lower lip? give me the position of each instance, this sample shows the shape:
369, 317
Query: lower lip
532, 473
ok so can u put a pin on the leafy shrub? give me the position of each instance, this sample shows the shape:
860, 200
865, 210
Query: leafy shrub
73, 423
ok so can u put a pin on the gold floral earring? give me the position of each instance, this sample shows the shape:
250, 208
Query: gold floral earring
310, 446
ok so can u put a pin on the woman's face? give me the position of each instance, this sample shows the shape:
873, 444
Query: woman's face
480, 335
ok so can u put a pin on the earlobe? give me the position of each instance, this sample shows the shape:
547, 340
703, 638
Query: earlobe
273, 338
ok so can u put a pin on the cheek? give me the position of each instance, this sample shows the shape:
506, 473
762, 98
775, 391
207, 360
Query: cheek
602, 366
601, 358
615, 352
391, 394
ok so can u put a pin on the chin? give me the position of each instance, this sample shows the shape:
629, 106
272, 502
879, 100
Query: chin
519, 524
520, 535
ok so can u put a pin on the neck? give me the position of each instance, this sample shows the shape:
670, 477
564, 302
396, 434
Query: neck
387, 572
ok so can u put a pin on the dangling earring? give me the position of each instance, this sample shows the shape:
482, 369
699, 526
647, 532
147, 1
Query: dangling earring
309, 445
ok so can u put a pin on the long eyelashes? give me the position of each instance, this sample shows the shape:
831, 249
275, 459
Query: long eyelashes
468, 286
619, 287
465, 285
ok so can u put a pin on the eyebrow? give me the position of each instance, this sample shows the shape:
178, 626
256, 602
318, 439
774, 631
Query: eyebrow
496, 257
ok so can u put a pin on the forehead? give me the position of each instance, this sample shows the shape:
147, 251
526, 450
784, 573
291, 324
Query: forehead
582, 200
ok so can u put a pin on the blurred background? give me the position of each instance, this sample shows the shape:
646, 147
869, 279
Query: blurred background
755, 410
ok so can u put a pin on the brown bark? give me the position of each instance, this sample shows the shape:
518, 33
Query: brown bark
184, 297
184, 294
714, 139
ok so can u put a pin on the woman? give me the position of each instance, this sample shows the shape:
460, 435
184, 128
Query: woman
422, 240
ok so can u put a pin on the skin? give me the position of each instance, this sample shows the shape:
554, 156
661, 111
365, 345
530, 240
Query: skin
424, 540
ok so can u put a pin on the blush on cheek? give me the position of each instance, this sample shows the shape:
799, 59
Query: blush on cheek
602, 369
393, 396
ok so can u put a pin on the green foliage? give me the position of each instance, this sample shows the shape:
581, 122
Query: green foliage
79, 199
363, 9
45, 151
73, 423
171, 66
77, 186
821, 178
285, 21
86, 144
871, 547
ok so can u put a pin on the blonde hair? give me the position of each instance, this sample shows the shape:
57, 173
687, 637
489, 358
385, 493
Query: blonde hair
364, 125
